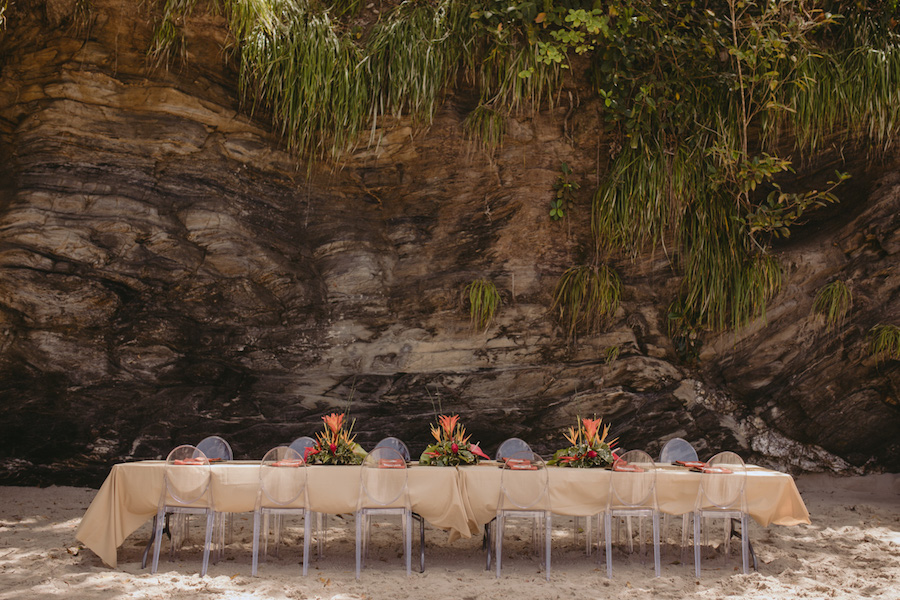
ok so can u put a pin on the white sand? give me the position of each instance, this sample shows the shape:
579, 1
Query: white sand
851, 550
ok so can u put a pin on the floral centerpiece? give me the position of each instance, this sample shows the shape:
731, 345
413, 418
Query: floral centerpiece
451, 447
334, 445
588, 446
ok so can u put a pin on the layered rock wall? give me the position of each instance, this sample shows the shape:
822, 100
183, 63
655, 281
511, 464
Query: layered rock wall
167, 272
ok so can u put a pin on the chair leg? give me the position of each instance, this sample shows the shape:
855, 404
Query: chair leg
745, 543
487, 543
656, 543
697, 544
255, 564
607, 526
359, 530
498, 535
407, 541
149, 545
157, 540
548, 524
421, 521
210, 517
307, 529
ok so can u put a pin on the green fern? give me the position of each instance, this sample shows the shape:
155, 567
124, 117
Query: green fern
884, 342
833, 301
586, 297
484, 301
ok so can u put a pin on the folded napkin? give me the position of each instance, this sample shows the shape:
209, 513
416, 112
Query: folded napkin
391, 463
626, 468
288, 462
691, 464
191, 461
521, 464
708, 469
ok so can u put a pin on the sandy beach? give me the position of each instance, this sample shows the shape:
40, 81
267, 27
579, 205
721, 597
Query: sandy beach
851, 550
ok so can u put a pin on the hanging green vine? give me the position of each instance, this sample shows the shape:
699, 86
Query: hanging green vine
698, 98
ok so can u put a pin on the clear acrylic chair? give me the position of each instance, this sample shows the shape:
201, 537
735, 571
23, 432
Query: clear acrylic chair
678, 449
383, 491
722, 496
512, 446
509, 447
524, 494
186, 490
216, 449
301, 444
401, 447
282, 491
395, 443
632, 493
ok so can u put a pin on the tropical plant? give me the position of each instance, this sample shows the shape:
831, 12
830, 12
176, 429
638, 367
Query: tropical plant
587, 446
564, 200
586, 297
702, 102
611, 354
335, 445
833, 302
483, 300
485, 126
452, 446
884, 342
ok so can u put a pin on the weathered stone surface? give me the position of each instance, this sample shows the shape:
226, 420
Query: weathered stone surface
168, 272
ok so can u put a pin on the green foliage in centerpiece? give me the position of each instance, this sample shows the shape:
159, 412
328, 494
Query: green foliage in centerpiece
588, 446
334, 445
452, 446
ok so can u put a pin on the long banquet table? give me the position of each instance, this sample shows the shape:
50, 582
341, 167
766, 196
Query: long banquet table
460, 500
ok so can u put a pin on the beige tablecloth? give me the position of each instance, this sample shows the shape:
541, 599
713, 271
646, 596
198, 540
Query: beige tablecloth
460, 500
772, 497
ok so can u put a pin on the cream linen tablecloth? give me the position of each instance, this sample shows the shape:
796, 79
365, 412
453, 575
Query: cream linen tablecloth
460, 500
131, 492
772, 497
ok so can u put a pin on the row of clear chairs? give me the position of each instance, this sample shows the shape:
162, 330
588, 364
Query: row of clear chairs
524, 494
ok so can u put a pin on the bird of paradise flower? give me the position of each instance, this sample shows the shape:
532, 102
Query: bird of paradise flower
588, 446
452, 446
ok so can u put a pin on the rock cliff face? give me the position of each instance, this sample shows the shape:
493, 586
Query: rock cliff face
167, 272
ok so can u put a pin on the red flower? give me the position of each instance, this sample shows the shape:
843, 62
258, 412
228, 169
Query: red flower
332, 447
454, 448
309, 451
476, 450
591, 454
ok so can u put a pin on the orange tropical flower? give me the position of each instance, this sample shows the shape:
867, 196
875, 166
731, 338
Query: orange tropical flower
334, 421
436, 433
590, 428
448, 424
572, 436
